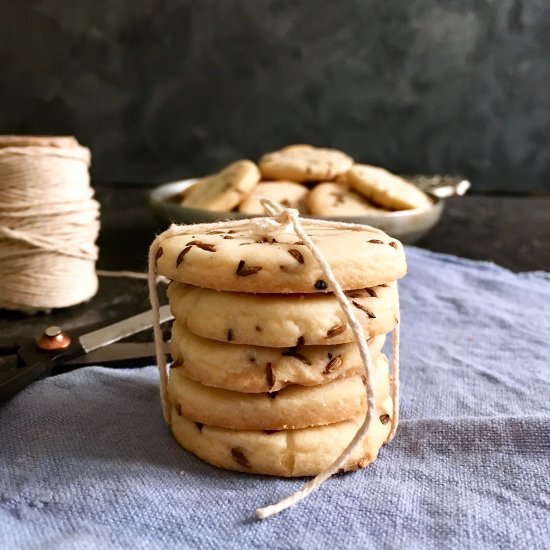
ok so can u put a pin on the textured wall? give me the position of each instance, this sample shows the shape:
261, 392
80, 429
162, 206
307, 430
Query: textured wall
166, 88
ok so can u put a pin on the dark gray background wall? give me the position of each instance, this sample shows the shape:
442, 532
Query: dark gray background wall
162, 89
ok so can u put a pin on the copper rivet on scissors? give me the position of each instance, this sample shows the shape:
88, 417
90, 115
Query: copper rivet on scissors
53, 339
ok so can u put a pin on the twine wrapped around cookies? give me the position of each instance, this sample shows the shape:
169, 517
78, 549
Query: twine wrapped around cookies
49, 222
289, 218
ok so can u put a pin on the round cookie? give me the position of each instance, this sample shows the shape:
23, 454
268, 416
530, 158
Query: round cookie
281, 320
303, 163
288, 453
290, 408
286, 193
257, 257
334, 199
385, 188
223, 191
242, 368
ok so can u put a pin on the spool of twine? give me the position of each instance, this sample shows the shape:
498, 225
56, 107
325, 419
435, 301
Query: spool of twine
49, 222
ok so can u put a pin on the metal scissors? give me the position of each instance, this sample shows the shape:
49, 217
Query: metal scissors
24, 360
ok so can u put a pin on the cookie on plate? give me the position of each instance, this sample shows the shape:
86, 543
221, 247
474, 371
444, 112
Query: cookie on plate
334, 199
242, 367
385, 188
286, 193
281, 320
244, 258
223, 191
290, 408
288, 453
303, 163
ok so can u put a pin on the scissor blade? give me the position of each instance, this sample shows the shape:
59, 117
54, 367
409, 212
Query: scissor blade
122, 351
115, 332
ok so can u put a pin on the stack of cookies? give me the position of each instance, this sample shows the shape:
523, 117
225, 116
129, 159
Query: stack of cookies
266, 375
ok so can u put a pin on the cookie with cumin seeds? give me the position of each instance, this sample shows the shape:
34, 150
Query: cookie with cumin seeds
243, 367
335, 199
292, 407
285, 193
225, 190
304, 163
244, 258
281, 320
287, 453
386, 189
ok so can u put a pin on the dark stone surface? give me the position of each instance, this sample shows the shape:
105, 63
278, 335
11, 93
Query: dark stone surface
163, 90
513, 232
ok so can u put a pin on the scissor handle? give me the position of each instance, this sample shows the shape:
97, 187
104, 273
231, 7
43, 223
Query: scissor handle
30, 364
10, 344
14, 378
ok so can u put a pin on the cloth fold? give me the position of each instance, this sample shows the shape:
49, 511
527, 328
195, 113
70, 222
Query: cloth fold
86, 460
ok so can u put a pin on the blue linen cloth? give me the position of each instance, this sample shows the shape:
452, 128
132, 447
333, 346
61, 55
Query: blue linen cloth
87, 462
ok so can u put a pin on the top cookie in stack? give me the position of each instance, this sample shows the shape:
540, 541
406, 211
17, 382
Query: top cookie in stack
266, 376
246, 260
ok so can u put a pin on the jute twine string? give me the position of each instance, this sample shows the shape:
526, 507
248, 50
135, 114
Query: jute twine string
49, 222
285, 217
